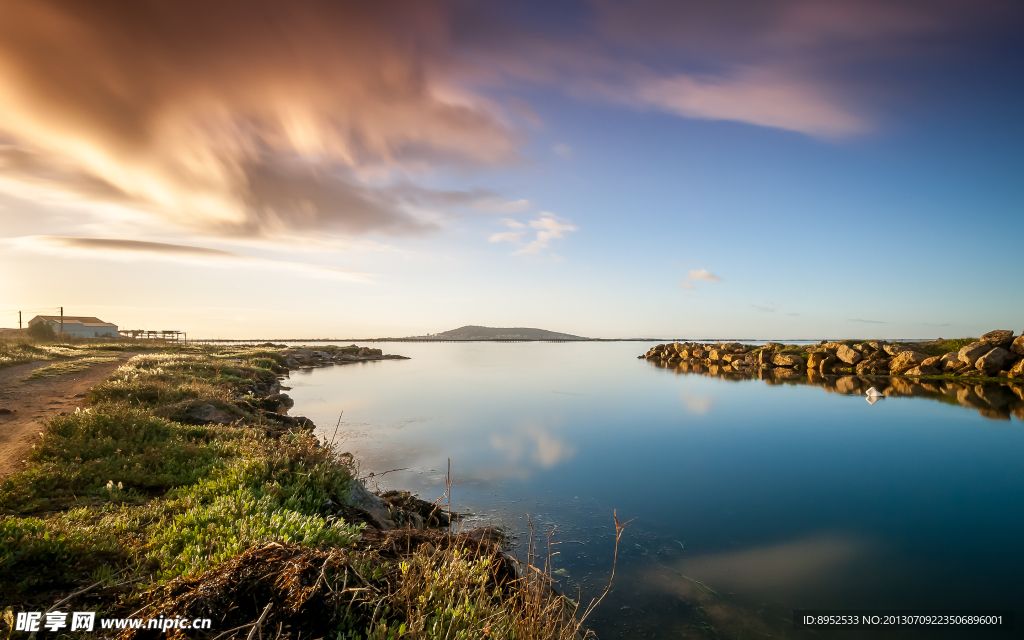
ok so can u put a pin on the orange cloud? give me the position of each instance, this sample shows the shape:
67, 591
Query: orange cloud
240, 117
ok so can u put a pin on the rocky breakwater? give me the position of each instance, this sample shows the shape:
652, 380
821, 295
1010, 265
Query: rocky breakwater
997, 354
309, 358
959, 372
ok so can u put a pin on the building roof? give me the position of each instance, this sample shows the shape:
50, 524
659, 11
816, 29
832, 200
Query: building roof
88, 321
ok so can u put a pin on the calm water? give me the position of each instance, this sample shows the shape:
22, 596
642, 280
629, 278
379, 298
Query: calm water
748, 500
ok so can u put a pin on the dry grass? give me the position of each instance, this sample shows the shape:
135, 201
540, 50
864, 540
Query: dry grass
65, 368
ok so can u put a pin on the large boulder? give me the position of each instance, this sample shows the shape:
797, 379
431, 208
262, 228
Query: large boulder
1017, 371
378, 510
716, 355
788, 360
994, 361
934, 361
923, 370
973, 351
894, 349
765, 356
848, 355
205, 413
820, 358
950, 361
905, 361
877, 345
1018, 345
998, 338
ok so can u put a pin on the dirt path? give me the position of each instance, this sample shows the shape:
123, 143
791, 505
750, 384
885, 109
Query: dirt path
32, 402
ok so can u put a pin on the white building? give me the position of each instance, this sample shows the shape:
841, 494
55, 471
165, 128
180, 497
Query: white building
79, 326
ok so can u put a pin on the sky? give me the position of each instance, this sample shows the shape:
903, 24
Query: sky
657, 168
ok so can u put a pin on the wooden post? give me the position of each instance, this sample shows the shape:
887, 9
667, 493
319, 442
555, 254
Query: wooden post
19, 319
62, 320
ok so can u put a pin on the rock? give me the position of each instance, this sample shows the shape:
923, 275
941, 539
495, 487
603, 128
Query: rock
894, 349
950, 361
815, 359
1018, 345
994, 361
973, 351
1017, 372
788, 360
877, 345
922, 370
905, 361
998, 338
934, 361
305, 353
773, 346
716, 354
848, 355
735, 347
360, 498
698, 352
765, 356
208, 413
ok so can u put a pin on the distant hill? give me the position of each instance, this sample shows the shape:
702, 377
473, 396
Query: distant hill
472, 332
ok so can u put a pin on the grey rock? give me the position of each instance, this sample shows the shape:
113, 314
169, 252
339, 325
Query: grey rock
375, 506
788, 360
973, 351
950, 361
894, 349
848, 355
994, 361
998, 338
209, 413
1018, 345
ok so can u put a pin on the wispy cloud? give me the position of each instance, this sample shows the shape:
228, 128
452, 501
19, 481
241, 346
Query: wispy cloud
704, 275
686, 285
549, 228
114, 249
867, 321
563, 151
765, 309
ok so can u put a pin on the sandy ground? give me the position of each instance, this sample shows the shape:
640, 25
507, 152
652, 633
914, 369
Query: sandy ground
33, 402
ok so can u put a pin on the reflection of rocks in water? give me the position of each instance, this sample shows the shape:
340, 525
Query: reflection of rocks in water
991, 400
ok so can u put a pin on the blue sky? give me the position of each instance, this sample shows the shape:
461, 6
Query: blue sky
763, 170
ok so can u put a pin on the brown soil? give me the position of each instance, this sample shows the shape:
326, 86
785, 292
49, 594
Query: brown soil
32, 402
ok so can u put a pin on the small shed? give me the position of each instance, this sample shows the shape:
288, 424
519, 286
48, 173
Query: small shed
79, 326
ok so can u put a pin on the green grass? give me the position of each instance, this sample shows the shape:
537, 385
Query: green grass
129, 490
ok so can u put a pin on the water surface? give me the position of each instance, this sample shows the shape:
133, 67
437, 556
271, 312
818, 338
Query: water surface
748, 500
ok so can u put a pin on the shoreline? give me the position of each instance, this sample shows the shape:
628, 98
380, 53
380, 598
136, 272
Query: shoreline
184, 486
